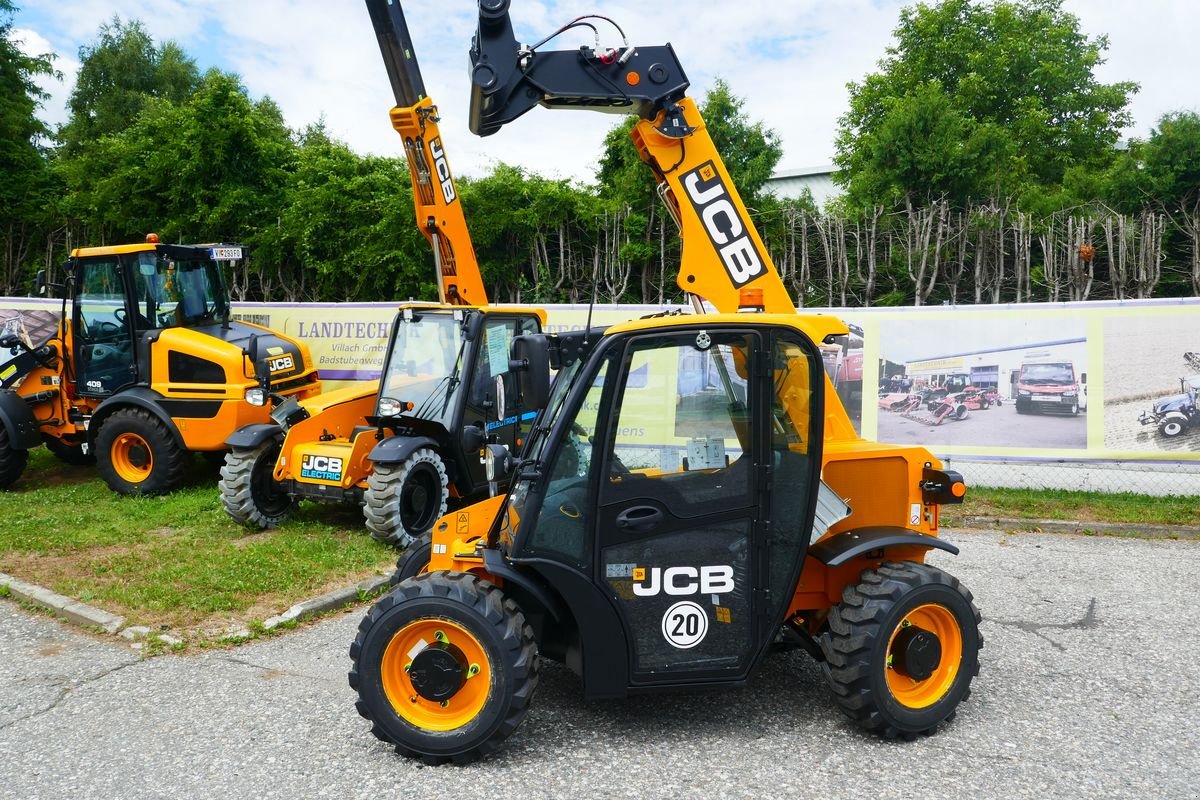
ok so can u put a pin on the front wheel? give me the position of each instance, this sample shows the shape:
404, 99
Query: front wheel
403, 500
902, 648
445, 667
137, 454
1171, 427
12, 460
249, 492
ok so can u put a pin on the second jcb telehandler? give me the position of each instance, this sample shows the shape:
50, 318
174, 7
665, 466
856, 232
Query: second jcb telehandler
146, 367
408, 445
692, 496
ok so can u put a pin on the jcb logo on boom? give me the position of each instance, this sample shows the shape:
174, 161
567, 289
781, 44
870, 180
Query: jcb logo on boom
322, 468
280, 363
726, 230
443, 170
681, 581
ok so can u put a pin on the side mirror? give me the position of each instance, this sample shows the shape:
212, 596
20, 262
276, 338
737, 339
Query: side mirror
497, 463
531, 363
39, 283
473, 438
1083, 378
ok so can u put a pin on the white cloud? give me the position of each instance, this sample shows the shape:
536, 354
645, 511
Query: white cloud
789, 60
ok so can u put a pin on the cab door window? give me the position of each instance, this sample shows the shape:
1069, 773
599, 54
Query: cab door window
104, 340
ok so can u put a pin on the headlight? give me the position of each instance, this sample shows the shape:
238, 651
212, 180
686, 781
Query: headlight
391, 407
1069, 394
1024, 393
256, 397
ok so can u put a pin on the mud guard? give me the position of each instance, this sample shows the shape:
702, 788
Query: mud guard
137, 397
17, 418
248, 437
397, 449
837, 550
496, 565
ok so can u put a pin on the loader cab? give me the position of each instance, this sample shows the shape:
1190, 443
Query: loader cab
667, 495
123, 296
440, 376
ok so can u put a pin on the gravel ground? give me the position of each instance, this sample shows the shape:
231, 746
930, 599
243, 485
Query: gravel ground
1143, 356
1122, 431
1087, 689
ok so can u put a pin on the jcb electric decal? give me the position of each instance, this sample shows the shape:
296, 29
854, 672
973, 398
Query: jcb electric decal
726, 230
321, 468
443, 170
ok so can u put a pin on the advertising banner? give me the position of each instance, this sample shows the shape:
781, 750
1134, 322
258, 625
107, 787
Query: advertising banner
1104, 381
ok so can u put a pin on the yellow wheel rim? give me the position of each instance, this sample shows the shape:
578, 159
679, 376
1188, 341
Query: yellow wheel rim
939, 621
431, 715
132, 458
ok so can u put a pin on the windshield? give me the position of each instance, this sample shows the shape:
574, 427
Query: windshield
1047, 373
424, 364
173, 292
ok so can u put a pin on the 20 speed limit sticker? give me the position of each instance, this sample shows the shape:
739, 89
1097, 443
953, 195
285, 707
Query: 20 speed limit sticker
684, 625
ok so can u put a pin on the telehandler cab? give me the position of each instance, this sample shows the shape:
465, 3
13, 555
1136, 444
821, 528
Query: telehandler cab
145, 366
408, 444
651, 556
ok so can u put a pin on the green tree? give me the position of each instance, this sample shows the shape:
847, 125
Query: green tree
25, 188
978, 100
118, 76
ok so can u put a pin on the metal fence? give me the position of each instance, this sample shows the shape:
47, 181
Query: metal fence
1153, 478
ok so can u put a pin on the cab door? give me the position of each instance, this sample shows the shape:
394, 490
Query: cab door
679, 503
103, 335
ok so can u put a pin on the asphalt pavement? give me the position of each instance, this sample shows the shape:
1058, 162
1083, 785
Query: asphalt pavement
1088, 688
995, 426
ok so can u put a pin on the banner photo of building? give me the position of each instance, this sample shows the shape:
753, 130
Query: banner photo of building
1105, 381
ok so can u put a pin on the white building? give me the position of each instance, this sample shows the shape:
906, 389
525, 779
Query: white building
791, 183
998, 368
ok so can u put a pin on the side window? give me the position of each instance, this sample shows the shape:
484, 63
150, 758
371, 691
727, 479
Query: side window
493, 360
565, 519
103, 337
683, 420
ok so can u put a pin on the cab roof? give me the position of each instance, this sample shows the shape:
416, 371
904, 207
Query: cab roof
815, 326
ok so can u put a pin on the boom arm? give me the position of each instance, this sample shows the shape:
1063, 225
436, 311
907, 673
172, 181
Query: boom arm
435, 197
722, 250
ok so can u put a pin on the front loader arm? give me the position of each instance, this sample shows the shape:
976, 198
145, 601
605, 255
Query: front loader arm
435, 197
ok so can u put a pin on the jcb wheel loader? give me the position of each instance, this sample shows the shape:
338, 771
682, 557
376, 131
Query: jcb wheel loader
146, 367
406, 447
657, 552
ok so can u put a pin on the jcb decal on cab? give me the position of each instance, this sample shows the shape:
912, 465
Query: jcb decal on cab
683, 580
321, 468
728, 232
443, 170
280, 364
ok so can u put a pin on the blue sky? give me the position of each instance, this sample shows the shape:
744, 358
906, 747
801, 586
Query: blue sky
790, 60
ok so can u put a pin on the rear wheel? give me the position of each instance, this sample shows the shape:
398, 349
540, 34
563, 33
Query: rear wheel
414, 559
902, 648
249, 491
12, 460
403, 500
69, 453
136, 454
445, 667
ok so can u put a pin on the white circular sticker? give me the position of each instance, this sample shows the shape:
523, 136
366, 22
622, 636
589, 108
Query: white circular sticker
685, 625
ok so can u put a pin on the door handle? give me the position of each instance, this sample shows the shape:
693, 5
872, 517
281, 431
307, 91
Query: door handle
639, 518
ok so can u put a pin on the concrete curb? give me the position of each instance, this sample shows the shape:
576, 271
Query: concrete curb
1133, 529
71, 610
328, 602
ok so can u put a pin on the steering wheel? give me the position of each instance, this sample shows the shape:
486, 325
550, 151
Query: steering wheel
106, 330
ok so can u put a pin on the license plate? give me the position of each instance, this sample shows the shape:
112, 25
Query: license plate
1046, 398
226, 254
284, 410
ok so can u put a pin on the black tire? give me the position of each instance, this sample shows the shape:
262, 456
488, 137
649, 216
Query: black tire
414, 559
163, 462
1023, 409
404, 500
861, 649
12, 460
249, 492
984, 403
490, 628
1171, 427
960, 412
1075, 410
69, 453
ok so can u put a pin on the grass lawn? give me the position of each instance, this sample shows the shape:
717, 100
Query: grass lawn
1081, 506
176, 561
